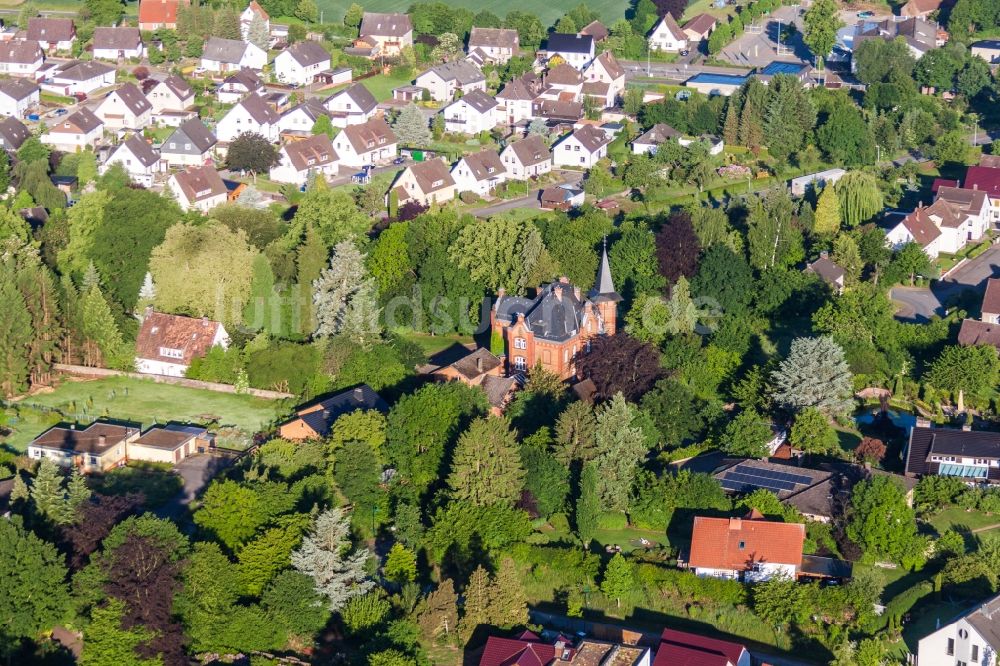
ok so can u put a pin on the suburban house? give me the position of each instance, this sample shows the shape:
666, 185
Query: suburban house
970, 455
55, 34
576, 50
527, 648
653, 137
97, 448
198, 188
253, 10
371, 142
444, 80
919, 35
251, 114
987, 179
156, 14
516, 99
920, 8
238, 85
965, 216
699, 28
604, 79
115, 43
226, 55
750, 548
301, 63
166, 344
17, 96
667, 36
828, 271
799, 186
972, 638
481, 368
125, 108
299, 120
20, 58
190, 144
987, 49
13, 133
77, 76
716, 84
584, 147
681, 647
497, 45
169, 443
139, 159
298, 160
561, 197
427, 183
986, 330
527, 158
351, 106
171, 94
314, 421
595, 29
471, 114
554, 326
916, 227
562, 83
386, 34
75, 132
479, 172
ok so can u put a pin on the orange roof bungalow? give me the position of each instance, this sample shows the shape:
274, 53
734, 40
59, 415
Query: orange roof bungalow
314, 421
99, 447
750, 548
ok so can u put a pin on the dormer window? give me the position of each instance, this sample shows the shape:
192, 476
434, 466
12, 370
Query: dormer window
170, 352
437, 183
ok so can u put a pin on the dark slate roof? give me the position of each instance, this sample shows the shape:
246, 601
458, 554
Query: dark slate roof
133, 98
332, 408
50, 29
986, 620
827, 270
948, 442
179, 86
569, 43
385, 25
247, 78
476, 363
308, 52
20, 51
259, 109
141, 150
503, 38
116, 38
556, 313
360, 96
196, 131
975, 332
462, 72
531, 150
657, 134
224, 50
497, 388
18, 89
479, 100
83, 70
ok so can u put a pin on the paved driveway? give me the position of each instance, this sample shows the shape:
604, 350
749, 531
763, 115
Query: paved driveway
533, 200
921, 303
195, 472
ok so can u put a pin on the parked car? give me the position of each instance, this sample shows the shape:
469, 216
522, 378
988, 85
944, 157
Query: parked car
399, 160
61, 112
866, 14
685, 53
80, 96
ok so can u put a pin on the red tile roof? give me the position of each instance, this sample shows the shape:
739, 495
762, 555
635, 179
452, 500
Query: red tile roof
737, 543
991, 299
923, 230
190, 337
679, 648
159, 11
983, 178
515, 652
942, 182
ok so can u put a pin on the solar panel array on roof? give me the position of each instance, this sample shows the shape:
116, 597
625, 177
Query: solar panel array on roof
743, 477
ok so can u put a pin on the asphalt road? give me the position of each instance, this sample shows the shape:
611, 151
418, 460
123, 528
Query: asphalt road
921, 303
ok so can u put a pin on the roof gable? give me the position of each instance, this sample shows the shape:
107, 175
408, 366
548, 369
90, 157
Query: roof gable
737, 544
385, 25
187, 337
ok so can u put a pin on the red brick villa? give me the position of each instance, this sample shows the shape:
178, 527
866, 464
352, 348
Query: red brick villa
553, 327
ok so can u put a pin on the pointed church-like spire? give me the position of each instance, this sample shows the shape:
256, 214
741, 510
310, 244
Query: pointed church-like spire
604, 287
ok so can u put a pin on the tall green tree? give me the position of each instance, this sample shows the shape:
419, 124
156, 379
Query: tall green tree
623, 446
338, 574
822, 21
815, 374
15, 336
827, 220
486, 468
619, 579
860, 197
588, 505
880, 521
508, 601
969, 369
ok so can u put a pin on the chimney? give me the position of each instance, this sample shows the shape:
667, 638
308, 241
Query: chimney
358, 393
824, 254
102, 440
735, 523
923, 423
326, 414
558, 292
204, 321
479, 363
576, 293
975, 186
564, 280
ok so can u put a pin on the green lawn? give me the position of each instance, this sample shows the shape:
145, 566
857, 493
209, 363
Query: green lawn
957, 518
433, 344
381, 85
146, 402
549, 13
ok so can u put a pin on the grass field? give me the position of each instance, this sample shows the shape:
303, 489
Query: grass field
381, 86
146, 402
957, 518
549, 13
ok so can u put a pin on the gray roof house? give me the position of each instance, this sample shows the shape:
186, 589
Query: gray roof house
190, 144
13, 133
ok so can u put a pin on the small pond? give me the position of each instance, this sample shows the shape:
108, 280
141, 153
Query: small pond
869, 415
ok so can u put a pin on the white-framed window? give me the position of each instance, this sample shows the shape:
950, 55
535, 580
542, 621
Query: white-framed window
520, 343
170, 352
520, 363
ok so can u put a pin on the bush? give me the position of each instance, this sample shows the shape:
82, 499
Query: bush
613, 520
469, 197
